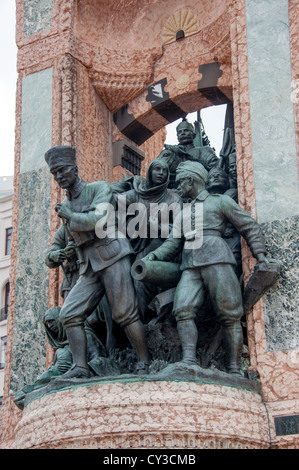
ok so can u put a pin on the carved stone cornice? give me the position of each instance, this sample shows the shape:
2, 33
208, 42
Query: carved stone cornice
118, 76
116, 88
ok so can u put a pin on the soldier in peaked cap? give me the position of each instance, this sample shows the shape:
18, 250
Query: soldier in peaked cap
105, 263
61, 155
209, 267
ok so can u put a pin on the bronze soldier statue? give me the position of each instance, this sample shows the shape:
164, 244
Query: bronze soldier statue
150, 192
186, 150
208, 267
104, 263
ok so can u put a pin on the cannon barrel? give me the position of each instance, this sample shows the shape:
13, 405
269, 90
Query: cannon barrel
163, 273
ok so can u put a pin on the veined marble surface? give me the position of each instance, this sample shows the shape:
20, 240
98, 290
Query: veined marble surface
271, 109
36, 133
31, 299
37, 15
280, 304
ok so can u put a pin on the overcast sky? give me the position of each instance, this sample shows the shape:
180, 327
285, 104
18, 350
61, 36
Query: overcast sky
213, 118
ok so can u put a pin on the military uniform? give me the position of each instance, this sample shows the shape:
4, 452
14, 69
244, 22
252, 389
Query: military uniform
210, 269
104, 262
173, 155
71, 267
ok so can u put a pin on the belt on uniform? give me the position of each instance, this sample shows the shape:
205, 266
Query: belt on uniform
211, 233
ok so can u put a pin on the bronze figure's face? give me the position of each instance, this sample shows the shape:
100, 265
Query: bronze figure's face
185, 133
65, 175
232, 169
184, 186
159, 174
217, 179
52, 325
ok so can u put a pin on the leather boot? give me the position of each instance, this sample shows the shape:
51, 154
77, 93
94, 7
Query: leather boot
188, 335
234, 345
78, 345
136, 336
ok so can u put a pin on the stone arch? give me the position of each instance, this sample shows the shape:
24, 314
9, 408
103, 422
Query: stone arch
144, 75
138, 122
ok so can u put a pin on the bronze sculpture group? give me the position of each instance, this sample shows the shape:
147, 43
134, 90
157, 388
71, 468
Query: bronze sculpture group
98, 270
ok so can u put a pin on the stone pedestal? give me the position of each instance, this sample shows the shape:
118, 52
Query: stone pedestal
141, 414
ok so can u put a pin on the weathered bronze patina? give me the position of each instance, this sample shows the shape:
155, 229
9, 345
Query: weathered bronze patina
104, 263
208, 266
186, 150
167, 306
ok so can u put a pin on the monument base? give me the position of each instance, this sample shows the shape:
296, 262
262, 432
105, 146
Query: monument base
137, 413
